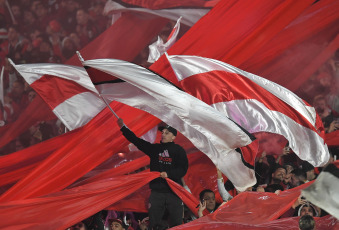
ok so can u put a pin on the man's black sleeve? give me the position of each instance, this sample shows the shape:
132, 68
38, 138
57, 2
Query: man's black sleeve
141, 144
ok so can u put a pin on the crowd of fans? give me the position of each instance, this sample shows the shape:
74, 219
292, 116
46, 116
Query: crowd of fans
41, 32
51, 31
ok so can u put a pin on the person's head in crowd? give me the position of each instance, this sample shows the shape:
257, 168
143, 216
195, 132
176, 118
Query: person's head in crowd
40, 10
79, 226
298, 177
308, 209
278, 174
29, 17
35, 34
117, 224
168, 133
16, 11
306, 222
76, 40
325, 79
53, 27
208, 196
82, 17
31, 95
18, 89
68, 47
309, 170
289, 168
13, 34
320, 104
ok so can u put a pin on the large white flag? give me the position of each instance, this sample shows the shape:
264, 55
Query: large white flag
324, 191
67, 90
209, 130
255, 103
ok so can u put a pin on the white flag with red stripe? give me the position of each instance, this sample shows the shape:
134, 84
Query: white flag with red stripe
209, 130
74, 104
255, 103
158, 48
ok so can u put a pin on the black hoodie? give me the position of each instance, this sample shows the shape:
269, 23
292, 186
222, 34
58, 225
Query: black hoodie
164, 157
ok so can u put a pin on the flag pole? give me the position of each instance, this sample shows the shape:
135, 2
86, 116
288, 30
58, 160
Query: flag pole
82, 60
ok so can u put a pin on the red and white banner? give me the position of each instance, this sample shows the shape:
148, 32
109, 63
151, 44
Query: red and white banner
210, 131
255, 103
158, 48
73, 104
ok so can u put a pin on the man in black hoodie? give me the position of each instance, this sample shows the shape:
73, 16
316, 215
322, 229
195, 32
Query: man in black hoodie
171, 161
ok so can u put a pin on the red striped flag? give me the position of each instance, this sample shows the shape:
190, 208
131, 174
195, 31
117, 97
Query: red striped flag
73, 104
255, 103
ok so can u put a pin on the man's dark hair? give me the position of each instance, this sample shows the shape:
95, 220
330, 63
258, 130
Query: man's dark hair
306, 222
300, 174
278, 166
202, 193
274, 187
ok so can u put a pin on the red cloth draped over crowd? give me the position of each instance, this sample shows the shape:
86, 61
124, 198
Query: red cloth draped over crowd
234, 32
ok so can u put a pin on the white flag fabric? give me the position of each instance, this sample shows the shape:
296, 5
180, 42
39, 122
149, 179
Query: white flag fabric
67, 90
158, 48
210, 131
255, 103
324, 191
190, 16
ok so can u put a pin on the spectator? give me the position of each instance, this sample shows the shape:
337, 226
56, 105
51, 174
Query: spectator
15, 46
326, 114
306, 222
85, 28
42, 16
67, 14
171, 161
79, 226
19, 97
68, 48
308, 209
309, 170
29, 22
278, 175
117, 224
207, 201
298, 178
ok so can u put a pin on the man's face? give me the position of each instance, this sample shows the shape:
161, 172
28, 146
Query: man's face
287, 178
12, 34
320, 106
116, 226
17, 89
209, 197
279, 174
81, 17
167, 136
306, 211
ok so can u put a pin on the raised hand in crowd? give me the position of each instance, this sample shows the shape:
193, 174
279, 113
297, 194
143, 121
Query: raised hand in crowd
333, 126
202, 207
143, 225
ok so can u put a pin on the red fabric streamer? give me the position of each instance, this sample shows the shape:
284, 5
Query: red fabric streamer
332, 139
